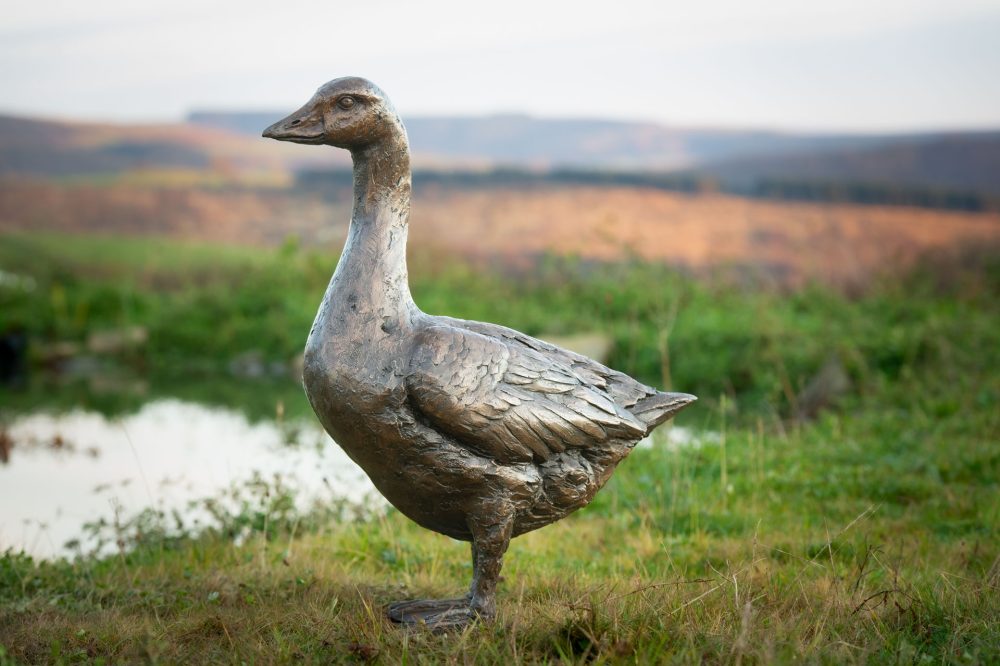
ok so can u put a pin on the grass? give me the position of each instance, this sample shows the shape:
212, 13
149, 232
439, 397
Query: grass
789, 563
204, 306
870, 534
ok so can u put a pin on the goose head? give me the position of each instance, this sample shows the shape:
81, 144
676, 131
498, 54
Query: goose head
349, 112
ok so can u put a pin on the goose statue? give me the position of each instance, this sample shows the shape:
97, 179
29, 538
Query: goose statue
472, 430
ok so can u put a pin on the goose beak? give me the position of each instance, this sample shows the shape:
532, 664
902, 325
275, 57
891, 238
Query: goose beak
303, 126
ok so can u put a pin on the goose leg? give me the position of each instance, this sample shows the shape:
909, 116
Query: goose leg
490, 539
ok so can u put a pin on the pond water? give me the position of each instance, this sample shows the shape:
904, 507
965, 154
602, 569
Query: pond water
67, 469
62, 467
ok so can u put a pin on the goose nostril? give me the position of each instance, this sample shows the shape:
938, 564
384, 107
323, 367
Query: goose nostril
295, 122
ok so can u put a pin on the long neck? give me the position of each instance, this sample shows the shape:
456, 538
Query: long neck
372, 269
382, 177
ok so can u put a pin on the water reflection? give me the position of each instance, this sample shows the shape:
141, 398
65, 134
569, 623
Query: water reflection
60, 470
64, 470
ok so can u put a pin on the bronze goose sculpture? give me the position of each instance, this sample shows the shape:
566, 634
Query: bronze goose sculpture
472, 430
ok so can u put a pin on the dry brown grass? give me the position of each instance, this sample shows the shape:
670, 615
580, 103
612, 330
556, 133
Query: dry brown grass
319, 599
792, 243
832, 243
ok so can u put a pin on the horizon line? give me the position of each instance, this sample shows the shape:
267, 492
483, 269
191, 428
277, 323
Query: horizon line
928, 130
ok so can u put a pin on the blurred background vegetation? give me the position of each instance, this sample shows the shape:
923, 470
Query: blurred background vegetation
197, 311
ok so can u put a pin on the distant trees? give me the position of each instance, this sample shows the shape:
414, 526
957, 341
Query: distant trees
883, 194
332, 182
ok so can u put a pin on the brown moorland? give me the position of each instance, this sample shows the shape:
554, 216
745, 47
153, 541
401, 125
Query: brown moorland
842, 244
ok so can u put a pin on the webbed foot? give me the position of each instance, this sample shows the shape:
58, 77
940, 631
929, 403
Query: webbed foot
436, 614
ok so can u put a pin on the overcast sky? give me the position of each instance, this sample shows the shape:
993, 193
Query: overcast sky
869, 65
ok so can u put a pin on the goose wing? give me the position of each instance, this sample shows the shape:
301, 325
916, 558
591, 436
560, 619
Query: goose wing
624, 390
509, 402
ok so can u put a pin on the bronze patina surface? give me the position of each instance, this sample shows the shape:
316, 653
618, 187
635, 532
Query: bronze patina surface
470, 429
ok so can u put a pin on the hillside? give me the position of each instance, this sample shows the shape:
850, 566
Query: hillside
969, 161
49, 148
741, 161
226, 147
548, 142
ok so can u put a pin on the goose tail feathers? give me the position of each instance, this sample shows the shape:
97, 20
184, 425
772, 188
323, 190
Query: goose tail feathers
659, 408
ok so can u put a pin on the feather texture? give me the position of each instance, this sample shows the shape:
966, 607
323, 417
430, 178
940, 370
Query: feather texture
512, 402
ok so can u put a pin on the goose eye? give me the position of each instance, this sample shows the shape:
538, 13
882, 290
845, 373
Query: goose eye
345, 102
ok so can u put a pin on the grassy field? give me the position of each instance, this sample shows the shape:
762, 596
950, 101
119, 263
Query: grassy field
867, 534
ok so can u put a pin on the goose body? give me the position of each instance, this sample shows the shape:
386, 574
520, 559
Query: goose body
470, 429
